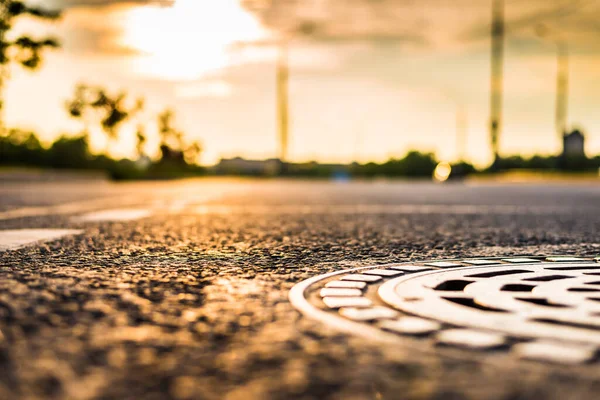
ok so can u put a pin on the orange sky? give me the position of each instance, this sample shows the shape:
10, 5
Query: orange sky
367, 81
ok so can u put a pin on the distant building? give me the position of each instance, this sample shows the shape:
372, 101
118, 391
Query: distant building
242, 166
143, 163
573, 145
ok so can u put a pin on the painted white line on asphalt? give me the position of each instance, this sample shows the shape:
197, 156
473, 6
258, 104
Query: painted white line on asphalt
14, 239
183, 200
116, 215
66, 208
171, 206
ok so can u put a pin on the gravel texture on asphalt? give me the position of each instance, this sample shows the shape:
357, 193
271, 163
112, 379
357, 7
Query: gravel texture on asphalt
193, 304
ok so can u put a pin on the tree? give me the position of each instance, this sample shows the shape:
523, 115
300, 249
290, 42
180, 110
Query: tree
24, 50
169, 135
192, 153
173, 145
94, 105
141, 140
70, 152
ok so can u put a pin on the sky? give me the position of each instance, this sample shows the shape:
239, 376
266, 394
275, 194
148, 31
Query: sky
369, 79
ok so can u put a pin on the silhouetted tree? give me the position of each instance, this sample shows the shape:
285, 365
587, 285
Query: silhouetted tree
19, 147
169, 135
173, 145
24, 50
70, 152
94, 105
141, 140
192, 153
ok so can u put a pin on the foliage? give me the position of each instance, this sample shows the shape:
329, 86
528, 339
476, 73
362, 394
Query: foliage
23, 50
464, 168
173, 146
141, 140
20, 148
413, 165
95, 105
548, 163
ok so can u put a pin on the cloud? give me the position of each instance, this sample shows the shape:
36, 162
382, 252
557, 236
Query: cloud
347, 20
95, 40
67, 4
84, 32
432, 25
437, 23
574, 22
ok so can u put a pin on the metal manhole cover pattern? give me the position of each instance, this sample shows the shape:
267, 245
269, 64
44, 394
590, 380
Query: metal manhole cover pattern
537, 308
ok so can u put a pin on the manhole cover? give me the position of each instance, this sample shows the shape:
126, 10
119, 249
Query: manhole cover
539, 308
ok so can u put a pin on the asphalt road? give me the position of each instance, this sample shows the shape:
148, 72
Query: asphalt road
191, 301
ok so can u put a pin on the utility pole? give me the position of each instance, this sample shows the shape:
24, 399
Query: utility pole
282, 101
497, 79
562, 88
562, 79
461, 133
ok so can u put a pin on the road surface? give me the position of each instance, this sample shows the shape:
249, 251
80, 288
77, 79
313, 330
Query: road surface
180, 289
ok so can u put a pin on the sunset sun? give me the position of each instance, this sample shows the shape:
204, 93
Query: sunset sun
188, 39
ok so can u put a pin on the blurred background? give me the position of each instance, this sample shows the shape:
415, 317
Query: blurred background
328, 88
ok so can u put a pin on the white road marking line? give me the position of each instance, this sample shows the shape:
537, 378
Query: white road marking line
17, 238
183, 199
116, 215
61, 209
